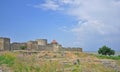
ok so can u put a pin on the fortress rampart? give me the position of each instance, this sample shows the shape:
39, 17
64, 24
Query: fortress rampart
72, 49
38, 45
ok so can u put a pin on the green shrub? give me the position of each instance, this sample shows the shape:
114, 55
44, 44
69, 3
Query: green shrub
23, 47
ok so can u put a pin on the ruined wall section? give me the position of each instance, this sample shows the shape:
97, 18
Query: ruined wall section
45, 48
32, 45
49, 47
72, 49
17, 46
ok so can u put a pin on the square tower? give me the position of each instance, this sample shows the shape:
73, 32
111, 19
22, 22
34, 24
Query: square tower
4, 43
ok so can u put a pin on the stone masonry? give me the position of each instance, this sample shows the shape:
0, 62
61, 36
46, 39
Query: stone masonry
37, 45
4, 43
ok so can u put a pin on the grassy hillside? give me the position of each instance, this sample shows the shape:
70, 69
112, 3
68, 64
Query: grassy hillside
45, 61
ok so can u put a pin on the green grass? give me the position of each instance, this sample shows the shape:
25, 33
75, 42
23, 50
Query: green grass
8, 59
108, 57
22, 67
68, 65
18, 63
25, 64
77, 68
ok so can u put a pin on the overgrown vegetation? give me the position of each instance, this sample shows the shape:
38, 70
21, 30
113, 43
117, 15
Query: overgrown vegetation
27, 63
108, 57
77, 68
107, 53
23, 47
7, 58
82, 62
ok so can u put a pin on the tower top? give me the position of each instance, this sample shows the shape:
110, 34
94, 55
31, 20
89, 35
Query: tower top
4, 38
54, 42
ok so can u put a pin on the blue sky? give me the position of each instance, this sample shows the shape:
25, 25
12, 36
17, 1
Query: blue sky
73, 23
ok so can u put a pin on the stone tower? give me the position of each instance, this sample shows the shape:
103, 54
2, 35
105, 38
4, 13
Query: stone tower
4, 43
42, 42
56, 46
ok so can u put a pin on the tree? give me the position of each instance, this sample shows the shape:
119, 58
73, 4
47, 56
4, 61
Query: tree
112, 52
104, 50
23, 47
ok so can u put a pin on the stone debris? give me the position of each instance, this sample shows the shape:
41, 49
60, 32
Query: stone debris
1, 69
111, 64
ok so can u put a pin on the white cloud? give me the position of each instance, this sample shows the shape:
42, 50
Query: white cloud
96, 18
66, 1
99, 14
49, 4
64, 29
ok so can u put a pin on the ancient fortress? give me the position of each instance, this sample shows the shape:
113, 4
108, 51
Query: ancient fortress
37, 45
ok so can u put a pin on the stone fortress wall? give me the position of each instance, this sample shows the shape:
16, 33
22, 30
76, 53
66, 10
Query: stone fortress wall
42, 42
4, 43
37, 45
16, 45
72, 49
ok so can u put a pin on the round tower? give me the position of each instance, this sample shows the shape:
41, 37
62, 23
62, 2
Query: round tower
56, 46
54, 42
42, 41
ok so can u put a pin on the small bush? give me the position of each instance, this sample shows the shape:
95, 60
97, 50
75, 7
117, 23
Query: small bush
23, 47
